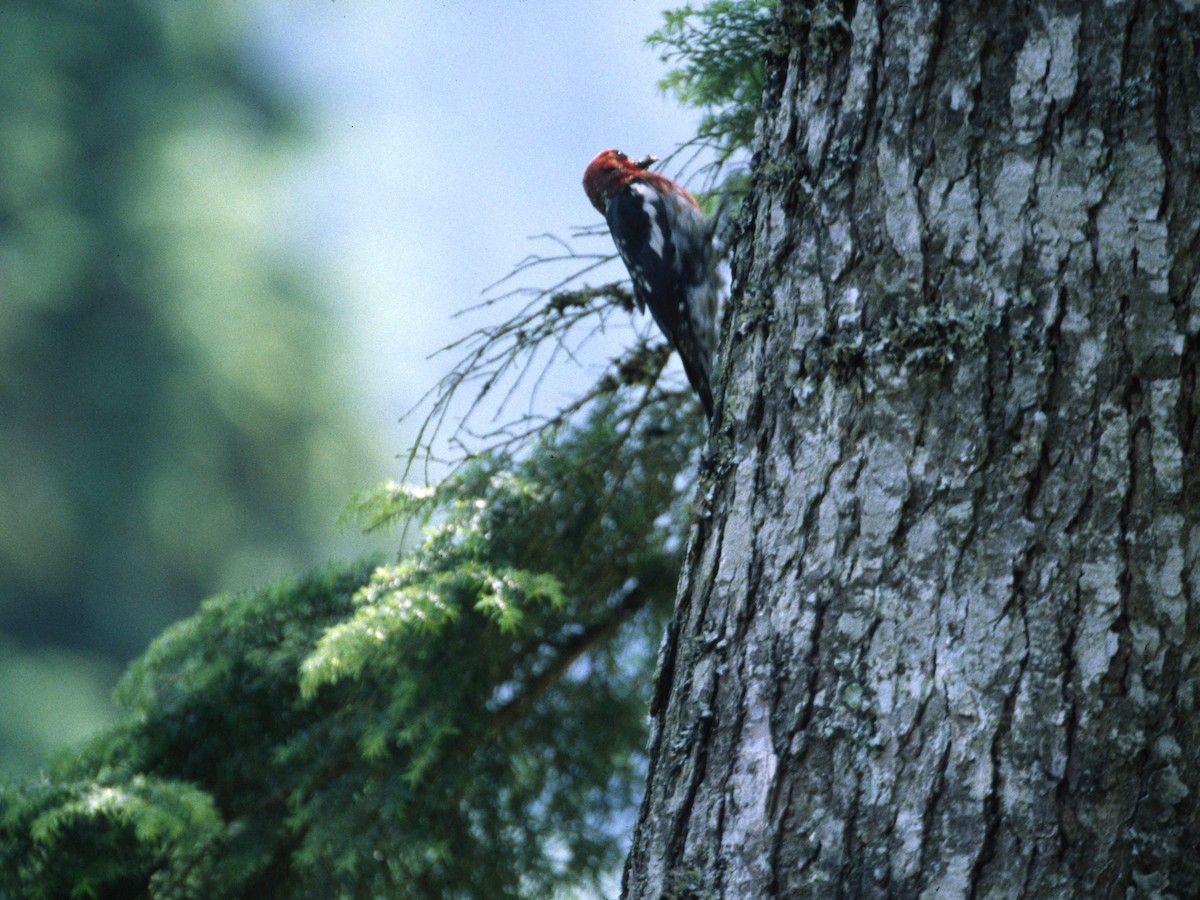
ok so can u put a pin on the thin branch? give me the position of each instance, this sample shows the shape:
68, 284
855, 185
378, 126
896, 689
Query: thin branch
549, 325
569, 649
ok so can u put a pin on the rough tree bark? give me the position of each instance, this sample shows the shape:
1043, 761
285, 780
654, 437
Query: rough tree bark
936, 634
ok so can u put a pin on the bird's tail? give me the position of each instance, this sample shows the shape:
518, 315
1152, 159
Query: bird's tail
698, 373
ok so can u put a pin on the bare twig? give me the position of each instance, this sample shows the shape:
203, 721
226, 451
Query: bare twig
550, 325
546, 327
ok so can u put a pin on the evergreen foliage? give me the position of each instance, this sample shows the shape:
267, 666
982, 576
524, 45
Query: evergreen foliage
460, 723
718, 50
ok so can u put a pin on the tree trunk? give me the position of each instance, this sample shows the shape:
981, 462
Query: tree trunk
936, 632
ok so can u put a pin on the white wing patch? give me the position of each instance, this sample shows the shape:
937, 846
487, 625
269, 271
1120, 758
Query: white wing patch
649, 195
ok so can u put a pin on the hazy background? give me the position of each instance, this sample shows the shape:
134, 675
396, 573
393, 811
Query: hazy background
231, 234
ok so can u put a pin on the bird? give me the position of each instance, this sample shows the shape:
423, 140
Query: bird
666, 244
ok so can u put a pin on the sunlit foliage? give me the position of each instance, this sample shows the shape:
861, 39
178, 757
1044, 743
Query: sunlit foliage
464, 722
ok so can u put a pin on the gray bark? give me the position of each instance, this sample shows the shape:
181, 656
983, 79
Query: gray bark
936, 634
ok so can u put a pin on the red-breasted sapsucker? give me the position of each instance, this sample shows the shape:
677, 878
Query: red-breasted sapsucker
667, 247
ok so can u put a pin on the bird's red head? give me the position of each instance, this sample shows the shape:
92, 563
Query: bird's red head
607, 174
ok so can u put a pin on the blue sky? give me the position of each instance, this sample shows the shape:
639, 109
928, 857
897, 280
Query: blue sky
446, 135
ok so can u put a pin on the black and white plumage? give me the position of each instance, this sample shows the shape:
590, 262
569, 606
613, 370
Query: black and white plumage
666, 245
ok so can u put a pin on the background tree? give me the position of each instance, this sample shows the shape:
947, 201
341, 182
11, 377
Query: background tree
935, 634
168, 423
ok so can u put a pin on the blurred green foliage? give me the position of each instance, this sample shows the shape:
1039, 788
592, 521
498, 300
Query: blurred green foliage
169, 422
49, 698
467, 722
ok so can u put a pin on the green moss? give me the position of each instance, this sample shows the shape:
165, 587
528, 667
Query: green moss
925, 337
